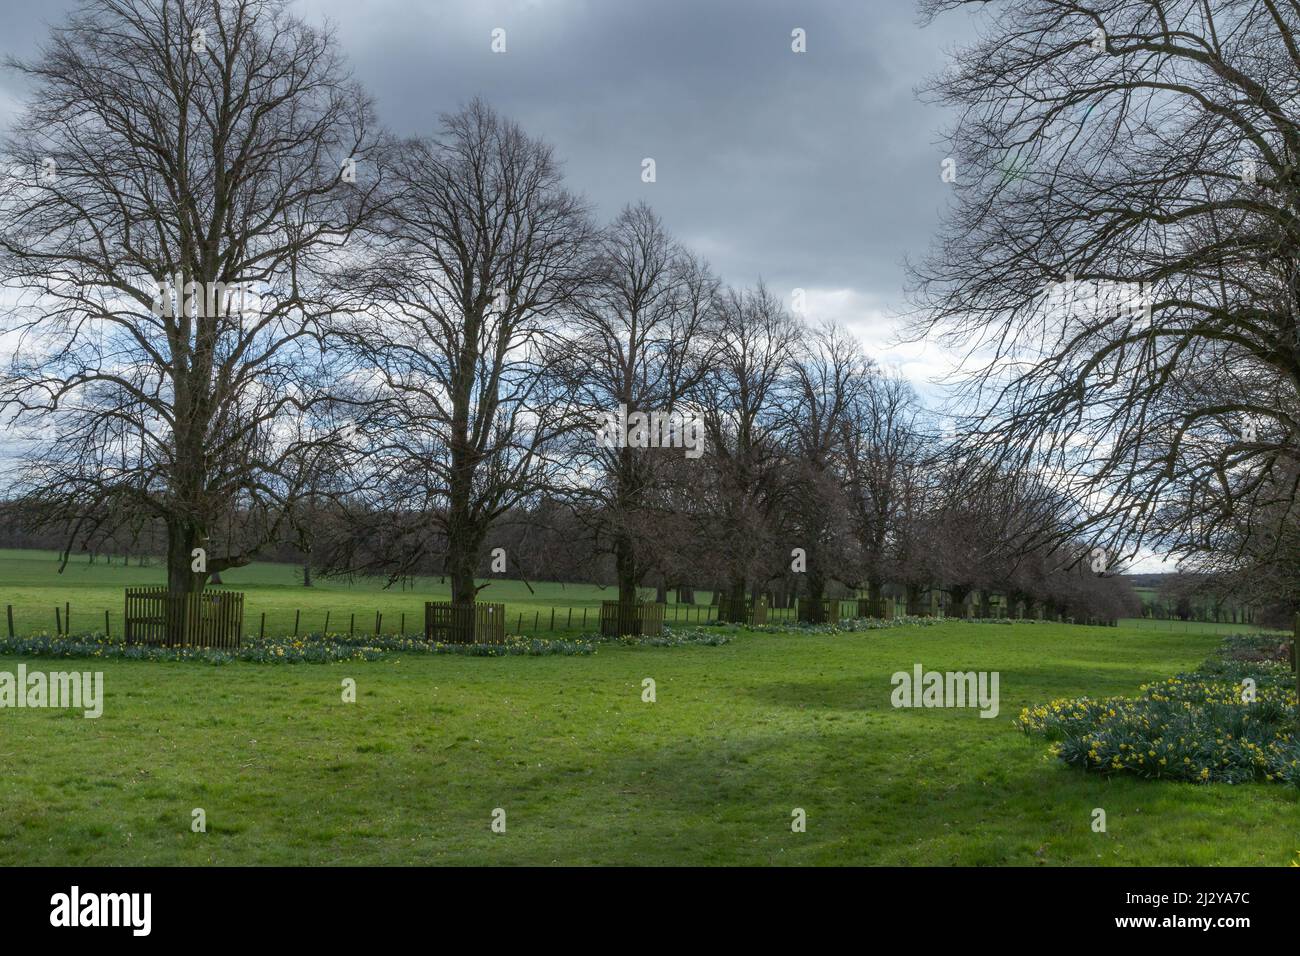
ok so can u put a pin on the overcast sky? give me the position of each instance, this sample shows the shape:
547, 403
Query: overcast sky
816, 170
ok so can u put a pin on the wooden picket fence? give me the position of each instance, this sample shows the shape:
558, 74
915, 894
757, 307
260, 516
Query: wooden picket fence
617, 619
449, 623
865, 608
831, 610
742, 612
206, 618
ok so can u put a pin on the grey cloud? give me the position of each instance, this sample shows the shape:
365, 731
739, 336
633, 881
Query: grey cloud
817, 170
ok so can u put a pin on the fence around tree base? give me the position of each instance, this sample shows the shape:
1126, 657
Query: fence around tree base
206, 618
868, 608
742, 612
618, 619
479, 623
830, 610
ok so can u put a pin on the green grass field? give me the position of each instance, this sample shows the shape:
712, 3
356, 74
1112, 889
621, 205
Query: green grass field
29, 580
587, 773
1190, 627
31, 583
1149, 597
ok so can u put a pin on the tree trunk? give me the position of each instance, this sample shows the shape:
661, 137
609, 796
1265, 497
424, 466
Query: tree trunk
914, 608
306, 574
464, 534
876, 597
958, 594
462, 563
732, 608
815, 606
183, 537
625, 569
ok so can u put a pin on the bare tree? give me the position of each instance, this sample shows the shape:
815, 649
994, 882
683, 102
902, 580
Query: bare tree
883, 445
640, 343
1123, 260
826, 379
919, 536
455, 332
180, 183
741, 403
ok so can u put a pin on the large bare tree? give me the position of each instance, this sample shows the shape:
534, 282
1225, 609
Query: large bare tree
826, 377
455, 319
884, 445
185, 174
641, 342
1122, 261
742, 410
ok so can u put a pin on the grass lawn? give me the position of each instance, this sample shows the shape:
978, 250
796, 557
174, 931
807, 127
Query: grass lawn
1150, 597
29, 580
1191, 627
588, 773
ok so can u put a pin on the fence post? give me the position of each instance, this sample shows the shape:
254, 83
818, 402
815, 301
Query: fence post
519, 628
552, 619
261, 631
378, 621
570, 624
106, 634
297, 615
352, 623
403, 623
327, 622
58, 622
9, 610
67, 618
584, 618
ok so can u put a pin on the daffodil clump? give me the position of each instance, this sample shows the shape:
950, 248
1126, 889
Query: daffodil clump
1232, 721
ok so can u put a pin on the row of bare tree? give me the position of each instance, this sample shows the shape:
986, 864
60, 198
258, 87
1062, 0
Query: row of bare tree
1121, 268
244, 314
